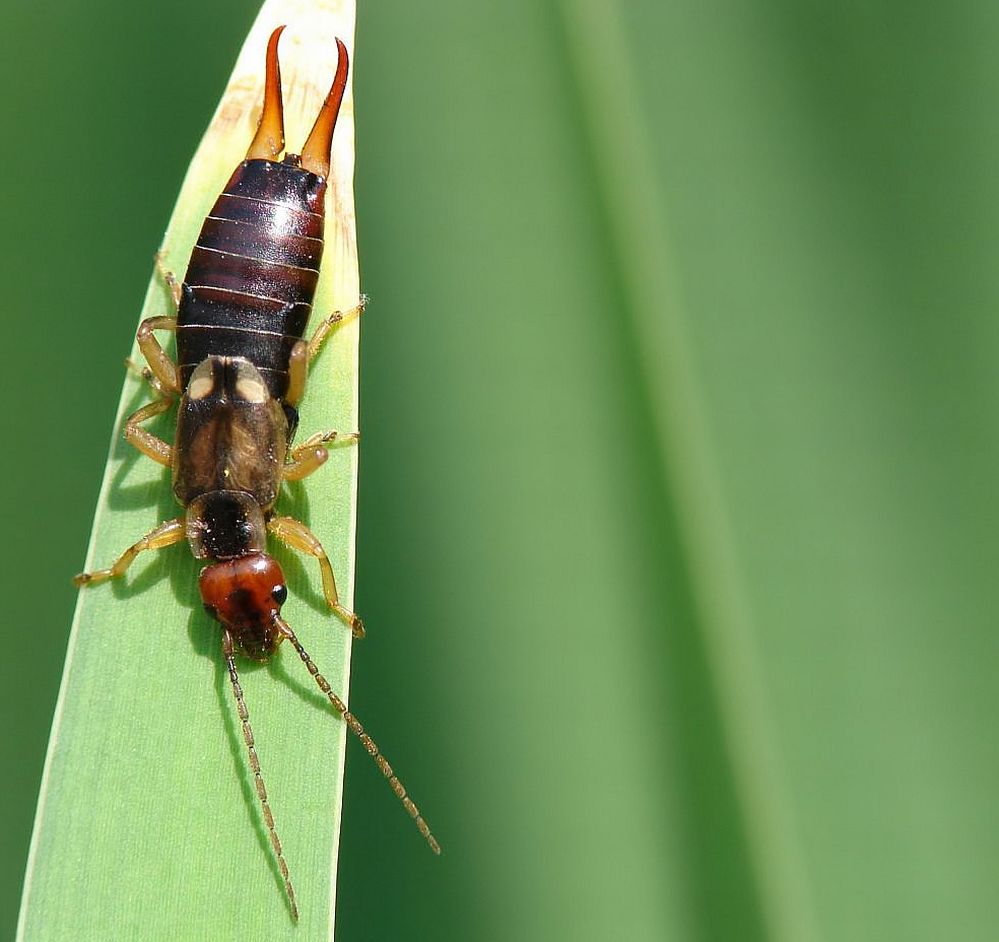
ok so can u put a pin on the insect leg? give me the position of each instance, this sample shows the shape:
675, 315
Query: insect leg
299, 537
311, 454
169, 279
304, 459
303, 463
159, 386
298, 371
172, 531
146, 442
164, 369
144, 373
327, 325
228, 651
366, 740
327, 438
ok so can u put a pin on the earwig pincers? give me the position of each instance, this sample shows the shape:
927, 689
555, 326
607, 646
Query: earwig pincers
239, 375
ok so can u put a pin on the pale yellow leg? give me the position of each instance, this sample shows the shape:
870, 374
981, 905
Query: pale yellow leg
172, 531
146, 442
298, 372
304, 463
169, 278
327, 326
299, 537
164, 369
146, 374
311, 454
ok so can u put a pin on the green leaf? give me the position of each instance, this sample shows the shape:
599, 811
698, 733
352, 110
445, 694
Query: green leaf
669, 382
147, 823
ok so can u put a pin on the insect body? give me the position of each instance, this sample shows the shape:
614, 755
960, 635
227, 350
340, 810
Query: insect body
240, 373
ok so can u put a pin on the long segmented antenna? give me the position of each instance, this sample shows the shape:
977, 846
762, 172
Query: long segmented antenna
268, 142
358, 730
258, 779
316, 152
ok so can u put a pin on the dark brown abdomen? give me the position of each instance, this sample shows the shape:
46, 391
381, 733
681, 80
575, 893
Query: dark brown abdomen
252, 276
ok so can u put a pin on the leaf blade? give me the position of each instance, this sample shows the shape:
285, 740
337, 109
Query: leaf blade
138, 823
630, 188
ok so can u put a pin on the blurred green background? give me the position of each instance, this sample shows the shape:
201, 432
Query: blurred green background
677, 505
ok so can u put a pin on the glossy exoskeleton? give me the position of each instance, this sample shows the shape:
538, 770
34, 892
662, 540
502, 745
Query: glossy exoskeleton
240, 373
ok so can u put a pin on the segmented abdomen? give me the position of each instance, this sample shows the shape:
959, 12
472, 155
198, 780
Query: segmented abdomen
252, 276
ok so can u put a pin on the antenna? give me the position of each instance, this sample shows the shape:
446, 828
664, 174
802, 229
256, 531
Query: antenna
358, 730
258, 778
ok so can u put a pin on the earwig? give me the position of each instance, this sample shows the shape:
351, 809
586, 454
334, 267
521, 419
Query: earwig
240, 373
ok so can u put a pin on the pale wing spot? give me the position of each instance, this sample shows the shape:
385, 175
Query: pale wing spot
200, 386
251, 390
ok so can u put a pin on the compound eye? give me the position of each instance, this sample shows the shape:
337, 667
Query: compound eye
280, 594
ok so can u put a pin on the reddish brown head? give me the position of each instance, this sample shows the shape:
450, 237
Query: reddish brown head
246, 594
